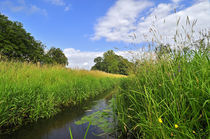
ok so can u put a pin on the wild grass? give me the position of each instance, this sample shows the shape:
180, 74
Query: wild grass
29, 92
169, 96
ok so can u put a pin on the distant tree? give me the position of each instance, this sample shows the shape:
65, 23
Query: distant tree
56, 56
99, 64
98, 59
112, 63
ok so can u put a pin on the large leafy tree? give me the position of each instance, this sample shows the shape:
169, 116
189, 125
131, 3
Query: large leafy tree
16, 43
56, 56
112, 63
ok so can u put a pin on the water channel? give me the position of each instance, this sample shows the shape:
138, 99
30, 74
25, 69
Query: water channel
57, 127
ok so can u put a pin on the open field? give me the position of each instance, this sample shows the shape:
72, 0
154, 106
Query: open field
29, 92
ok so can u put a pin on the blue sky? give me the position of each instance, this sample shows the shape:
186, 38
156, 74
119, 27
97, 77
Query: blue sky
55, 26
84, 29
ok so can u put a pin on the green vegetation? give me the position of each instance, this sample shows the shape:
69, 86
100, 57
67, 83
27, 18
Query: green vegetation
169, 96
85, 132
166, 97
17, 44
112, 63
102, 118
56, 56
29, 92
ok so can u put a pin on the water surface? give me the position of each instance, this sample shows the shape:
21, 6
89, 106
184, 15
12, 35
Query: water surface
57, 127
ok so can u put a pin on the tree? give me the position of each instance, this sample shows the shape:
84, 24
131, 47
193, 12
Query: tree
56, 56
112, 63
16, 43
99, 63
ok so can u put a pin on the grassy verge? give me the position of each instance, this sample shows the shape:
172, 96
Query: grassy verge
167, 98
29, 92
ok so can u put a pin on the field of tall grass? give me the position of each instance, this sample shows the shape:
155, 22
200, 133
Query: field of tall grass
29, 92
169, 96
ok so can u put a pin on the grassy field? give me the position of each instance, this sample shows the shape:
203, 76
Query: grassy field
29, 92
167, 98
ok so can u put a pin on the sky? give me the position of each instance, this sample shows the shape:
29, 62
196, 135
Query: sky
85, 29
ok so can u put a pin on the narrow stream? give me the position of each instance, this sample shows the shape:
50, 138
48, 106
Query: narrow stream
57, 127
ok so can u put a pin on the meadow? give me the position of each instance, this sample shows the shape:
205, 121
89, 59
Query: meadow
168, 97
29, 92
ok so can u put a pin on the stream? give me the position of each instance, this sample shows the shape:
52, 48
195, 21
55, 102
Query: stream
57, 127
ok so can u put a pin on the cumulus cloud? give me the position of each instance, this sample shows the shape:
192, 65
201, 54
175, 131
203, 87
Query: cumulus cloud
81, 60
166, 25
21, 6
120, 20
125, 19
85, 60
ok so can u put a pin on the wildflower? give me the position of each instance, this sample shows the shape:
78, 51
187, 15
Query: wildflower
176, 126
160, 120
194, 132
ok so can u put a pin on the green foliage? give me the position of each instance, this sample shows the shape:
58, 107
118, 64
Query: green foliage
167, 98
17, 44
29, 92
56, 56
112, 63
100, 118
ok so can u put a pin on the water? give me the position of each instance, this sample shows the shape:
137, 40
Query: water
57, 127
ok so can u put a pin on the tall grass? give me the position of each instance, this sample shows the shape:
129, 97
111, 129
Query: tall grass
29, 92
168, 97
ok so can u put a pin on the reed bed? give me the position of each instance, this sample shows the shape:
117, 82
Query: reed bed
29, 92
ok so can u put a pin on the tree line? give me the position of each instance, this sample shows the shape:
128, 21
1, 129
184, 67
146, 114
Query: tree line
17, 44
112, 63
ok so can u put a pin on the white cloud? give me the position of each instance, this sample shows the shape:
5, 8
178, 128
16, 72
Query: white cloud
81, 60
167, 23
122, 20
21, 6
85, 60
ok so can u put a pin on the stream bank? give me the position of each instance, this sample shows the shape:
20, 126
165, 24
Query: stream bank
58, 126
